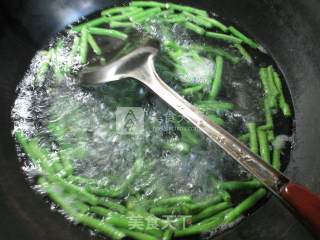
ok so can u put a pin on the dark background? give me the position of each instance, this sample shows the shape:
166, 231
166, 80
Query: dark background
289, 29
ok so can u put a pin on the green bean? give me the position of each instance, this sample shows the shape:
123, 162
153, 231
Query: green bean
188, 136
167, 235
202, 227
276, 159
264, 146
108, 32
245, 205
96, 49
216, 84
217, 51
192, 90
44, 66
237, 185
268, 115
215, 105
210, 211
214, 23
224, 37
115, 24
270, 135
92, 23
79, 192
195, 28
197, 20
211, 200
264, 79
273, 89
84, 45
138, 235
165, 210
176, 19
214, 118
282, 101
119, 10
101, 226
244, 38
79, 180
186, 9
253, 137
142, 16
122, 189
55, 195
147, 4
244, 137
66, 162
112, 205
174, 200
180, 147
245, 55
35, 153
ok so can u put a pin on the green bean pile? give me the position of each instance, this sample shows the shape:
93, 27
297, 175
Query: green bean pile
118, 212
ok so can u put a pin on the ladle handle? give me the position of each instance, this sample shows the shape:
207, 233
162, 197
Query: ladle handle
305, 204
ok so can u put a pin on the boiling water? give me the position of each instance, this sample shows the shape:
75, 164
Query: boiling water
90, 116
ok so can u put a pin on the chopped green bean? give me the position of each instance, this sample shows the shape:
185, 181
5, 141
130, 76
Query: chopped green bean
195, 28
264, 146
174, 200
188, 136
253, 137
203, 227
78, 191
115, 24
273, 89
237, 185
142, 16
92, 23
138, 235
101, 226
108, 32
192, 90
282, 101
224, 37
214, 118
214, 23
211, 211
245, 55
112, 205
84, 45
180, 147
244, 38
96, 49
245, 137
167, 235
197, 20
147, 4
119, 10
264, 79
217, 82
245, 205
186, 9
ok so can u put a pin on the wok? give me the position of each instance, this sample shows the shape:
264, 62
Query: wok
288, 29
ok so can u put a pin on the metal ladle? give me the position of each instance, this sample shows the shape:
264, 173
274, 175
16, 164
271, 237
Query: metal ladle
139, 64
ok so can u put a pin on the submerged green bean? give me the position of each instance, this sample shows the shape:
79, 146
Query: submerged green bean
92, 42
194, 28
244, 53
186, 9
285, 108
210, 211
147, 4
224, 37
192, 90
244, 38
252, 127
264, 146
108, 32
217, 82
101, 226
84, 45
245, 205
238, 185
